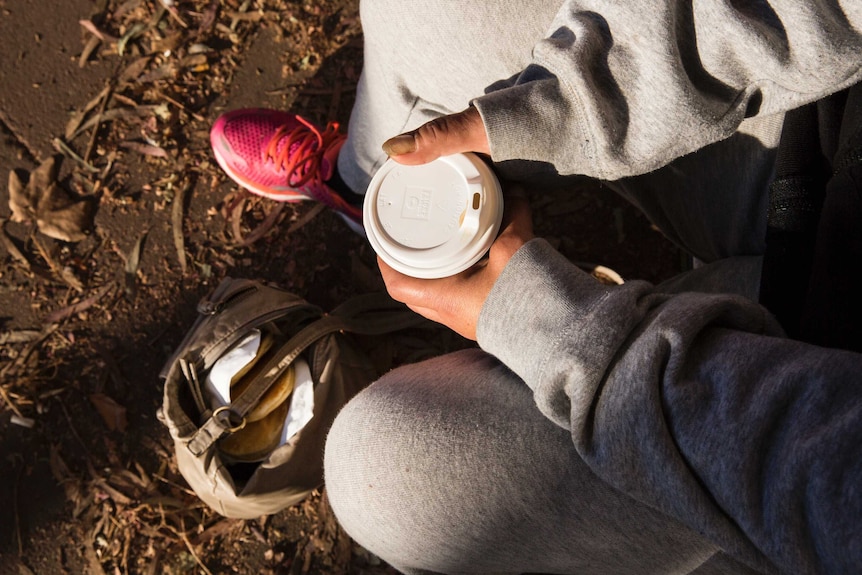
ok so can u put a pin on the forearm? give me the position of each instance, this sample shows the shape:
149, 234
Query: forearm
692, 404
617, 89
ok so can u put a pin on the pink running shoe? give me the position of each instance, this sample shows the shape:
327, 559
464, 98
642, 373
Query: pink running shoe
281, 156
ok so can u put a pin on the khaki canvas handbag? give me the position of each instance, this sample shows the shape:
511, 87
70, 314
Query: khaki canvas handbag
226, 454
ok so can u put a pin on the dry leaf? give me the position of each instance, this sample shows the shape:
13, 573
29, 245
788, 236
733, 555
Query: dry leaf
90, 27
88, 50
112, 412
19, 200
45, 174
135, 69
133, 260
57, 213
60, 217
10, 246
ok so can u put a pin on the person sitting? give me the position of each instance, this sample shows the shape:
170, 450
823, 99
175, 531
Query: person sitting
601, 429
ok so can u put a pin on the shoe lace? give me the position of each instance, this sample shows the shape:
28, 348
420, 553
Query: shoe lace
302, 151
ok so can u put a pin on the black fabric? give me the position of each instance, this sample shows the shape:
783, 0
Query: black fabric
340, 187
832, 315
811, 277
795, 200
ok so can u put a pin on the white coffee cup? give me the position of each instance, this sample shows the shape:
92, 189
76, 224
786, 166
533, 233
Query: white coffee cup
436, 219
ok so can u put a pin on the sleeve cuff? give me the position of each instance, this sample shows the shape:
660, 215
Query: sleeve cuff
540, 302
537, 108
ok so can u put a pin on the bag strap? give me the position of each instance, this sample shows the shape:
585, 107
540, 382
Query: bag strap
362, 315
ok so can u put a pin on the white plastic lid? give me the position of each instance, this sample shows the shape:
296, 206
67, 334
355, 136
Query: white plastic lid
433, 220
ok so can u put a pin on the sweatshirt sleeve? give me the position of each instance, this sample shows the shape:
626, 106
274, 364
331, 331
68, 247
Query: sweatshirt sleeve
621, 88
695, 404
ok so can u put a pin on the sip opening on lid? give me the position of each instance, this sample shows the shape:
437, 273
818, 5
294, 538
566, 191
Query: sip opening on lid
436, 219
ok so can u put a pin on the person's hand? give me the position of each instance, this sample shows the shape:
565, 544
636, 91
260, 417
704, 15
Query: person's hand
443, 136
456, 301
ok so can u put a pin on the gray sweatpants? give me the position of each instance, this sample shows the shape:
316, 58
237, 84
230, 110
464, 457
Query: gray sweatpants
448, 466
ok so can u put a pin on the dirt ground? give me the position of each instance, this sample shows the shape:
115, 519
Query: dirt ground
102, 262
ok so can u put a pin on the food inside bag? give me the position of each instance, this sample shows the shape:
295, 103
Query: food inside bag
285, 408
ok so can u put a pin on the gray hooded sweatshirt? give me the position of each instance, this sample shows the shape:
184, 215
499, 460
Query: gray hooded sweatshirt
694, 403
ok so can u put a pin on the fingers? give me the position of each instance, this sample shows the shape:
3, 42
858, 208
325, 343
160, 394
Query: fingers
417, 294
453, 301
456, 301
401, 287
452, 134
516, 229
517, 215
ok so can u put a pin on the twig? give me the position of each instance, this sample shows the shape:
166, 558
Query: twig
17, 516
75, 431
248, 16
176, 16
182, 535
216, 529
175, 485
93, 560
67, 278
264, 227
177, 224
235, 210
90, 27
306, 218
133, 261
89, 48
61, 314
153, 567
191, 549
8, 402
64, 149
102, 106
19, 336
179, 105
76, 121
257, 534
25, 355
127, 543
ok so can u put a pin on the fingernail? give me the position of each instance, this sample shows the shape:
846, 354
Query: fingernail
403, 144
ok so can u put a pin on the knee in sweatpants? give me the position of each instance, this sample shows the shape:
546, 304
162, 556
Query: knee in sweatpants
448, 466
355, 450
380, 17
382, 461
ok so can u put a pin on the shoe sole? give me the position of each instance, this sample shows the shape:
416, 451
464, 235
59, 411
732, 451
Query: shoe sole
288, 197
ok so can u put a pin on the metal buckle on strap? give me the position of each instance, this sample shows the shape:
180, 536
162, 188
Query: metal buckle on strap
228, 420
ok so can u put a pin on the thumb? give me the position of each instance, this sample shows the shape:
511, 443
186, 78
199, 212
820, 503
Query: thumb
452, 134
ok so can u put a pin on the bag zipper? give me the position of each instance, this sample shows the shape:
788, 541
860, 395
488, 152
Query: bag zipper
212, 307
